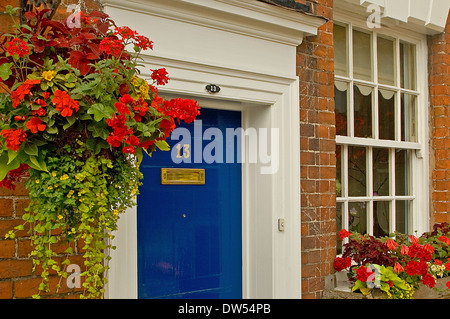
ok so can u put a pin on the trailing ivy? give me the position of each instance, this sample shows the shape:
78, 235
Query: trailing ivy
78, 201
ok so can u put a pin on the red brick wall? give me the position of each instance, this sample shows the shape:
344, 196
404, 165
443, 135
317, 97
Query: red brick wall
16, 277
439, 80
315, 68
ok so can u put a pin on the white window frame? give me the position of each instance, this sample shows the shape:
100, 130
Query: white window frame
419, 162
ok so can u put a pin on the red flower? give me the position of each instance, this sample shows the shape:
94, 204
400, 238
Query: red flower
64, 103
35, 124
143, 42
41, 102
168, 125
20, 118
428, 280
160, 76
40, 112
19, 47
416, 268
140, 41
111, 46
444, 239
404, 250
125, 32
114, 140
122, 108
127, 99
342, 263
181, 109
129, 149
14, 138
24, 89
146, 144
414, 239
398, 268
448, 284
141, 107
132, 140
120, 132
391, 244
363, 273
343, 233
424, 253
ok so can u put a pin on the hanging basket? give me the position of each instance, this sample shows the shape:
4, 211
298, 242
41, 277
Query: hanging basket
77, 119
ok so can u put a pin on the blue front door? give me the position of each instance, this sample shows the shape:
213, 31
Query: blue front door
189, 236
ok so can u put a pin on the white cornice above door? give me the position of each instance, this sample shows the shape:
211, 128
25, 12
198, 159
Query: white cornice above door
249, 17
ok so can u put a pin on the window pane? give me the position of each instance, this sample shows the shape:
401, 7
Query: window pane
385, 49
357, 217
402, 216
340, 50
386, 115
340, 97
401, 172
338, 171
356, 171
362, 56
381, 218
408, 66
408, 118
380, 172
339, 226
362, 111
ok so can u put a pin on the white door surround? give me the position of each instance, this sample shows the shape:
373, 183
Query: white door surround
248, 48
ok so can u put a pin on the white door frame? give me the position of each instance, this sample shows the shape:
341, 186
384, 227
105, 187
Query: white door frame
262, 85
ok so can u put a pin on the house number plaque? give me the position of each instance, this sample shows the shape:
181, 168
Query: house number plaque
182, 176
212, 88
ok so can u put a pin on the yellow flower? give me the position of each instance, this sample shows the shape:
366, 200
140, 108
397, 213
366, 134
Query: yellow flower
53, 174
48, 75
116, 212
60, 216
37, 181
50, 187
135, 80
144, 90
64, 177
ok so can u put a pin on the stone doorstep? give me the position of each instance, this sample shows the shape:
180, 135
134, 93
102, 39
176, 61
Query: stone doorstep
338, 287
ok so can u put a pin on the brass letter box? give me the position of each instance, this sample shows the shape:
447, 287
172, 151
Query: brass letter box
182, 176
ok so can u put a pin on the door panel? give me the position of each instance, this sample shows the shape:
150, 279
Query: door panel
190, 236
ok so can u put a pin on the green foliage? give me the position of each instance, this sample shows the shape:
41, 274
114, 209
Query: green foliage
78, 201
385, 279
